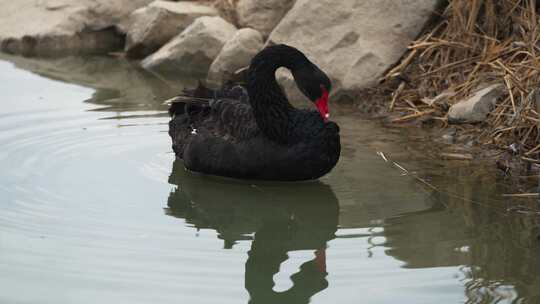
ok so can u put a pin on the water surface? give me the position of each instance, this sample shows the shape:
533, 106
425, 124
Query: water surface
94, 209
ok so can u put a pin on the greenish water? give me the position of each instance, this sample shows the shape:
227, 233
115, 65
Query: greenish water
94, 209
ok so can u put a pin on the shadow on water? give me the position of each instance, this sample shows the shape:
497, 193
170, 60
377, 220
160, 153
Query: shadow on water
120, 85
282, 219
496, 251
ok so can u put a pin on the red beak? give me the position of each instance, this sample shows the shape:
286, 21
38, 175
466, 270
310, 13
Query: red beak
322, 104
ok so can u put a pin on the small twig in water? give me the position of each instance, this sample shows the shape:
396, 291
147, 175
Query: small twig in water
522, 195
412, 116
381, 154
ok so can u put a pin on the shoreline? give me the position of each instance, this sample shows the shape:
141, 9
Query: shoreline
452, 63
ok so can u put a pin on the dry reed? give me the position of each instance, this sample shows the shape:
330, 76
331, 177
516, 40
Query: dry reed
474, 43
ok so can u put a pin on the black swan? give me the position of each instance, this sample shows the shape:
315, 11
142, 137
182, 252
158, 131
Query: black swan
254, 132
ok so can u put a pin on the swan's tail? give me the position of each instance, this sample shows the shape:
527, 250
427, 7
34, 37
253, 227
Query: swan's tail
190, 98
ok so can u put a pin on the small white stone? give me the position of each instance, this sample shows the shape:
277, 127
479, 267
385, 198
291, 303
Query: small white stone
477, 106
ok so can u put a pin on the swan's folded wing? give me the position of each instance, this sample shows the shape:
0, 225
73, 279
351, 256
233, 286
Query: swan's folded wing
233, 120
223, 113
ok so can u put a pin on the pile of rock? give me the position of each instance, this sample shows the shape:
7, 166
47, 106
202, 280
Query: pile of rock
188, 37
353, 41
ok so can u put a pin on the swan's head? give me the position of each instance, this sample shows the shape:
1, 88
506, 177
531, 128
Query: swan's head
315, 85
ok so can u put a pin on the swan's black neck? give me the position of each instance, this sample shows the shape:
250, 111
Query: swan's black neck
270, 105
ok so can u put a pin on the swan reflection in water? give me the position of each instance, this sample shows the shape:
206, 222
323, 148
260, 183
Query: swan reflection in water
283, 217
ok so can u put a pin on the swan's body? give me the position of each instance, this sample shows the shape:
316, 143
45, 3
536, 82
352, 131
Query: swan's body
255, 133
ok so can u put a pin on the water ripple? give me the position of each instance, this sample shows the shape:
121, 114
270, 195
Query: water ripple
93, 209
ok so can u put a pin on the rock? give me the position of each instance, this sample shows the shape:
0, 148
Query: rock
194, 49
354, 42
477, 107
110, 13
62, 27
262, 15
236, 54
152, 26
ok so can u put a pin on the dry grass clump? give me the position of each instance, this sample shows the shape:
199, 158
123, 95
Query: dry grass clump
478, 42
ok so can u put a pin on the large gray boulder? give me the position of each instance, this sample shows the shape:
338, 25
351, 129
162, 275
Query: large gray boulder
355, 42
61, 27
235, 54
194, 49
152, 26
477, 107
262, 15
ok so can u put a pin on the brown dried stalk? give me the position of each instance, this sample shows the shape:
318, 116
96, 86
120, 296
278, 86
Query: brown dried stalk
478, 42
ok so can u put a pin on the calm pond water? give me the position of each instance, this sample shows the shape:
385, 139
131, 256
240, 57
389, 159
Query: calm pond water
94, 209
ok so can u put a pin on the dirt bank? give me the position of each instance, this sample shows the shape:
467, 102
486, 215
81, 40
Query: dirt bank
471, 45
